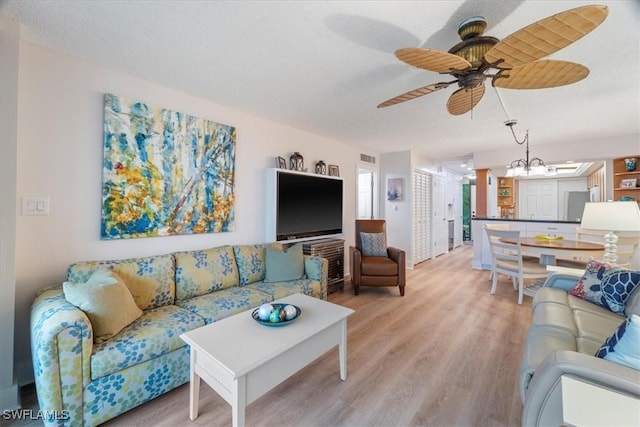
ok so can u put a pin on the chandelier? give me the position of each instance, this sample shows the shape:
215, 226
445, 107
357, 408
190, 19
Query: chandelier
526, 166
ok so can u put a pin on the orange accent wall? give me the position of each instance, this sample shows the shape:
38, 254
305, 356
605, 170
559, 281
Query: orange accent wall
481, 192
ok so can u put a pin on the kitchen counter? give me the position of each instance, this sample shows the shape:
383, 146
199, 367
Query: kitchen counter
525, 220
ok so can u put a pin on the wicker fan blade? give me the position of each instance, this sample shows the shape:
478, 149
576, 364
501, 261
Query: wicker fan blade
546, 36
464, 100
412, 94
541, 74
432, 60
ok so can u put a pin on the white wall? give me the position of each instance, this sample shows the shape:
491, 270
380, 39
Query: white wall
398, 214
60, 139
9, 47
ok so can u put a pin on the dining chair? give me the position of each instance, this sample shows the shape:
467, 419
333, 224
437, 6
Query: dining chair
504, 226
507, 259
496, 227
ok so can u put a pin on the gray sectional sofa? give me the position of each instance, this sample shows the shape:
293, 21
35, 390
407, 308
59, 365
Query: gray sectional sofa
565, 334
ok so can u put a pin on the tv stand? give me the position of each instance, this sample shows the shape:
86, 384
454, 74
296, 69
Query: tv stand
333, 251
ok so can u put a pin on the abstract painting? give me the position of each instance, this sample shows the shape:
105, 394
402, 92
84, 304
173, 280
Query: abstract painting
165, 172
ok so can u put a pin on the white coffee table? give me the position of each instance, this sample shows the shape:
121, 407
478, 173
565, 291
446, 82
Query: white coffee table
241, 359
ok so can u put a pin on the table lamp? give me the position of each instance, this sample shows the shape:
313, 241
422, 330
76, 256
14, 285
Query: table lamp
611, 217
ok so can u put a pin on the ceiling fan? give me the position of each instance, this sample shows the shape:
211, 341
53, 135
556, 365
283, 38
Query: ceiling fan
517, 58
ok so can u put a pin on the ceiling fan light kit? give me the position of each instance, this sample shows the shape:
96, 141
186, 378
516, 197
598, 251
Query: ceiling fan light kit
514, 62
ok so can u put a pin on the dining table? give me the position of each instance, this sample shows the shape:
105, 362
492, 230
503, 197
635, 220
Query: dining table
548, 250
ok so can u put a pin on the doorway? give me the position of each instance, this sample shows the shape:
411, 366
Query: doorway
538, 199
466, 212
367, 203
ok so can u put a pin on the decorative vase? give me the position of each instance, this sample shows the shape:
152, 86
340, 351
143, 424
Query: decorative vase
321, 167
630, 164
296, 162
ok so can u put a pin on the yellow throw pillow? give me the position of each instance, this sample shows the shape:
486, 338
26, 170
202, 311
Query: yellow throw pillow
143, 288
107, 302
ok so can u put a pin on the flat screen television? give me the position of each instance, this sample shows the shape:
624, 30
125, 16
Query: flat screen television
306, 205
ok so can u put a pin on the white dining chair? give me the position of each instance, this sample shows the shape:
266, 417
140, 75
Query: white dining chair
499, 226
503, 226
507, 259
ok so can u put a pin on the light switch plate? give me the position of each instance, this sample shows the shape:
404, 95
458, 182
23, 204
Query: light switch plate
35, 206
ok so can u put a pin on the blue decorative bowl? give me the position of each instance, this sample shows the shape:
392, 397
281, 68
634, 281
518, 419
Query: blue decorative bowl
255, 316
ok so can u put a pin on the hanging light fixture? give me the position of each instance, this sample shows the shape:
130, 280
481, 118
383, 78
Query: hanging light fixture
526, 166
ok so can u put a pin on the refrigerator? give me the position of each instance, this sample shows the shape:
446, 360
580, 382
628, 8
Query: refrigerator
575, 204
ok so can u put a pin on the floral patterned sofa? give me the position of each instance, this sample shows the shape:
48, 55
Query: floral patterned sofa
178, 292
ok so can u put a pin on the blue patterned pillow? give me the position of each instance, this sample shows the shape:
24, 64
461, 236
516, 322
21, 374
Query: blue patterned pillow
622, 347
617, 286
373, 244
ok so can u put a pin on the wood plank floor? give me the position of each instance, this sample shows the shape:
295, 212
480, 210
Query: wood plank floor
445, 354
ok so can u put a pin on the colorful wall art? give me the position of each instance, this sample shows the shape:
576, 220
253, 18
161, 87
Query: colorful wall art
164, 172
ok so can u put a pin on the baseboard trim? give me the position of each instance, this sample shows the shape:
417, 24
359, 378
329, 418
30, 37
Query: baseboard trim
24, 373
10, 398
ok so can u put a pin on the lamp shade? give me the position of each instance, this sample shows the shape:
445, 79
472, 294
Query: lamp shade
611, 216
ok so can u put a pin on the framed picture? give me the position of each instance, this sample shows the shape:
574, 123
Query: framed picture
334, 170
394, 189
145, 193
629, 183
281, 162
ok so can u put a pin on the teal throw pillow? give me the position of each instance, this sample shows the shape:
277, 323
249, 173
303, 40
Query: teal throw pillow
284, 265
313, 268
373, 244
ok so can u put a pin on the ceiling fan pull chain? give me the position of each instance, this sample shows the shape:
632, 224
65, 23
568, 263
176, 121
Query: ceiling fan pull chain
502, 104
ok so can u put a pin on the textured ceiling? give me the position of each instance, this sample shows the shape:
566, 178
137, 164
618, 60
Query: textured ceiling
324, 66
